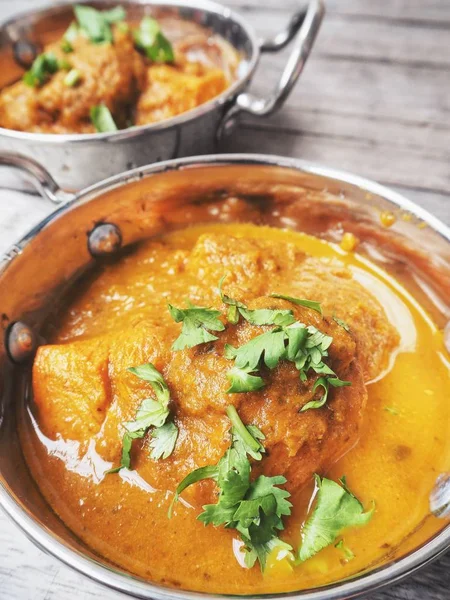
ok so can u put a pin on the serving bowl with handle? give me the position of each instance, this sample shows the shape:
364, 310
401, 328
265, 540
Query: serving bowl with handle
70, 158
100, 221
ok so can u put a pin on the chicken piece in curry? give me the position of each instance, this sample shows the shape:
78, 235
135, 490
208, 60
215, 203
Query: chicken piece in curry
106, 74
215, 385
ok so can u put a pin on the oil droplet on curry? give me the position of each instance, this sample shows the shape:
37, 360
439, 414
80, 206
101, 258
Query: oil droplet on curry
234, 371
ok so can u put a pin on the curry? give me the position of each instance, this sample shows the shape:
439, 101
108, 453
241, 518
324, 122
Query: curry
106, 73
240, 409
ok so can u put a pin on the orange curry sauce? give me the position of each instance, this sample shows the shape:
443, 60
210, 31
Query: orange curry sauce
71, 432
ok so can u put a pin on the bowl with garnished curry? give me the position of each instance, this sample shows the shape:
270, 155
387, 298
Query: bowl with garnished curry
124, 85
229, 375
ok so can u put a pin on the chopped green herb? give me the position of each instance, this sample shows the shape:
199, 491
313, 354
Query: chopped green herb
342, 323
243, 381
197, 320
69, 37
260, 316
336, 508
44, 65
246, 438
163, 441
300, 302
345, 549
102, 119
391, 410
153, 42
267, 347
255, 509
233, 305
151, 413
268, 316
96, 24
305, 346
324, 382
72, 78
148, 372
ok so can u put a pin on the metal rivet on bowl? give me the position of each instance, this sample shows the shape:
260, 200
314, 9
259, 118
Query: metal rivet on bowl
104, 240
20, 341
24, 53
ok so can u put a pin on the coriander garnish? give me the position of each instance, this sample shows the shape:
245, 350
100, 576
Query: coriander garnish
336, 508
253, 508
300, 302
102, 119
72, 78
342, 323
197, 320
151, 413
44, 65
96, 24
295, 342
348, 554
153, 42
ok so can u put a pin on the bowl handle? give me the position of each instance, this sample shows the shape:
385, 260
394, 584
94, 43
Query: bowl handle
303, 27
40, 177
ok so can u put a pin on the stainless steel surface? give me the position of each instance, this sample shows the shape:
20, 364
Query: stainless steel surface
70, 157
143, 202
39, 176
309, 29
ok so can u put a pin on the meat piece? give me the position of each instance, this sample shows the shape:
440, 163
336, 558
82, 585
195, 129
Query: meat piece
258, 267
172, 90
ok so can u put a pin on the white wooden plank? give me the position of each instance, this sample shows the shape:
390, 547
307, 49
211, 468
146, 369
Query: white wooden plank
365, 39
434, 12
409, 167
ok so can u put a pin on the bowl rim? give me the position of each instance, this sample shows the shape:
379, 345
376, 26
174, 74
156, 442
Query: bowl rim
206, 6
136, 587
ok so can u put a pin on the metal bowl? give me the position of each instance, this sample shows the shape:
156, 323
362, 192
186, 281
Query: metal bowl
71, 157
141, 203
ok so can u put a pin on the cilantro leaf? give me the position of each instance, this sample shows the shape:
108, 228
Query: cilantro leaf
196, 322
300, 302
345, 549
267, 486
151, 413
259, 316
268, 345
208, 472
261, 552
255, 509
341, 323
163, 440
336, 509
43, 66
243, 381
246, 439
324, 382
127, 441
153, 42
96, 24
69, 37
102, 119
268, 316
233, 305
150, 373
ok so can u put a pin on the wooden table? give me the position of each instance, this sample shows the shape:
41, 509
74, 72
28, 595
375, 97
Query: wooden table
373, 99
